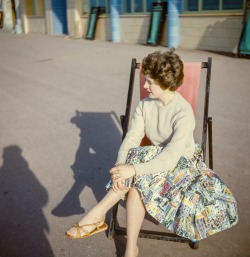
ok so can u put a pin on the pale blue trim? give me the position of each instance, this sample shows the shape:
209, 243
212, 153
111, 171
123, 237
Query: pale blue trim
115, 6
173, 35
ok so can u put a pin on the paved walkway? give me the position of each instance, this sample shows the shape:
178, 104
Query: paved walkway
60, 100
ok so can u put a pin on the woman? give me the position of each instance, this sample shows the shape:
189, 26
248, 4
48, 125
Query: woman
169, 179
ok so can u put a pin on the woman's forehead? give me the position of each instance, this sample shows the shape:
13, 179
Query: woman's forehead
148, 78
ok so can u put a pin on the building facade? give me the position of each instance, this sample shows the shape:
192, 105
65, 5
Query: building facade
214, 25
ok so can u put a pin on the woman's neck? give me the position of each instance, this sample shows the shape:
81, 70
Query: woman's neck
166, 97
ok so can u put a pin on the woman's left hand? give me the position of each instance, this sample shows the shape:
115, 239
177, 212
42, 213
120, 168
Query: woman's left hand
123, 170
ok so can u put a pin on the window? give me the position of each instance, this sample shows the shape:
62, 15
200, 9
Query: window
96, 3
210, 5
213, 5
192, 5
29, 6
40, 7
138, 6
127, 6
232, 4
34, 7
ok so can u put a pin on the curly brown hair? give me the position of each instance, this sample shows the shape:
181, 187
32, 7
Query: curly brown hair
165, 68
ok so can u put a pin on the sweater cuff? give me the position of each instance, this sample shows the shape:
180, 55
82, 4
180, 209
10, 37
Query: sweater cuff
118, 163
138, 170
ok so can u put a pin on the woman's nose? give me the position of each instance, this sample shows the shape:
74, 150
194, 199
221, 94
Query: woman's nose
146, 85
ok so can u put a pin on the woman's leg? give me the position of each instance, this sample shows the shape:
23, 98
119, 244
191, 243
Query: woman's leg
135, 215
98, 212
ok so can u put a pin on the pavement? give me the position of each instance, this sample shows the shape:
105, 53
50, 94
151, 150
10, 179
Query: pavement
60, 102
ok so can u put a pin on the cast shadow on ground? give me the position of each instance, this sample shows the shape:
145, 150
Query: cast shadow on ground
22, 222
100, 139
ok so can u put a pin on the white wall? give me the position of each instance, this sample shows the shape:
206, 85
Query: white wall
36, 25
74, 12
134, 28
216, 33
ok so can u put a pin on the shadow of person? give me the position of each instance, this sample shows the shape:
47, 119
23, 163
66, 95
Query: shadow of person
99, 142
22, 197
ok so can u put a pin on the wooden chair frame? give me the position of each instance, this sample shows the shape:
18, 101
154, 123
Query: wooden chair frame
206, 133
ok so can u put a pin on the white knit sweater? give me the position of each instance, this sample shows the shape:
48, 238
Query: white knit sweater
170, 126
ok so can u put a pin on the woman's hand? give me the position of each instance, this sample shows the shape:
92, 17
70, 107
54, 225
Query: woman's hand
118, 184
119, 174
123, 170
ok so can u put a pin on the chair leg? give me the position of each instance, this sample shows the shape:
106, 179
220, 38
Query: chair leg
210, 142
194, 245
111, 231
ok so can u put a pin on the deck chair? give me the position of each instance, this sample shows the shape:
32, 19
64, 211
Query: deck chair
189, 90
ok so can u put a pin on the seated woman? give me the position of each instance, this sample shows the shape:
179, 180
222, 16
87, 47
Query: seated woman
168, 179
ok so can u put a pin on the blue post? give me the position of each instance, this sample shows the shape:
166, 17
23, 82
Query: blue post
115, 6
174, 9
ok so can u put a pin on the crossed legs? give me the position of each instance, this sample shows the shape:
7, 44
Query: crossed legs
98, 212
135, 215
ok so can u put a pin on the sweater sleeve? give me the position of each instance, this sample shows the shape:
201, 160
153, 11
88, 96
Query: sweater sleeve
183, 128
134, 135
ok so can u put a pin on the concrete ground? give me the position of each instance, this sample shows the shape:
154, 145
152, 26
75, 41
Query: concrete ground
60, 100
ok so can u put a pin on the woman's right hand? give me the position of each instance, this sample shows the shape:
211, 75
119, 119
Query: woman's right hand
118, 183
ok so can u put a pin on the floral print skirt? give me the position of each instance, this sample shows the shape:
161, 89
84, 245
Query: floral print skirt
190, 200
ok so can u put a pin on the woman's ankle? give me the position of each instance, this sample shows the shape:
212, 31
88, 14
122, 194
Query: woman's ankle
92, 217
131, 251
97, 213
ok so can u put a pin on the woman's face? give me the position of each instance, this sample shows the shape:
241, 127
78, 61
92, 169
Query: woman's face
155, 91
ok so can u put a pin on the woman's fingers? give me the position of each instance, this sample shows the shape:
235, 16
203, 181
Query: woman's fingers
115, 176
119, 175
115, 186
114, 169
125, 170
119, 184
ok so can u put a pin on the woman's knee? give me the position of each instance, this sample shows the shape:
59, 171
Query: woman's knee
134, 192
